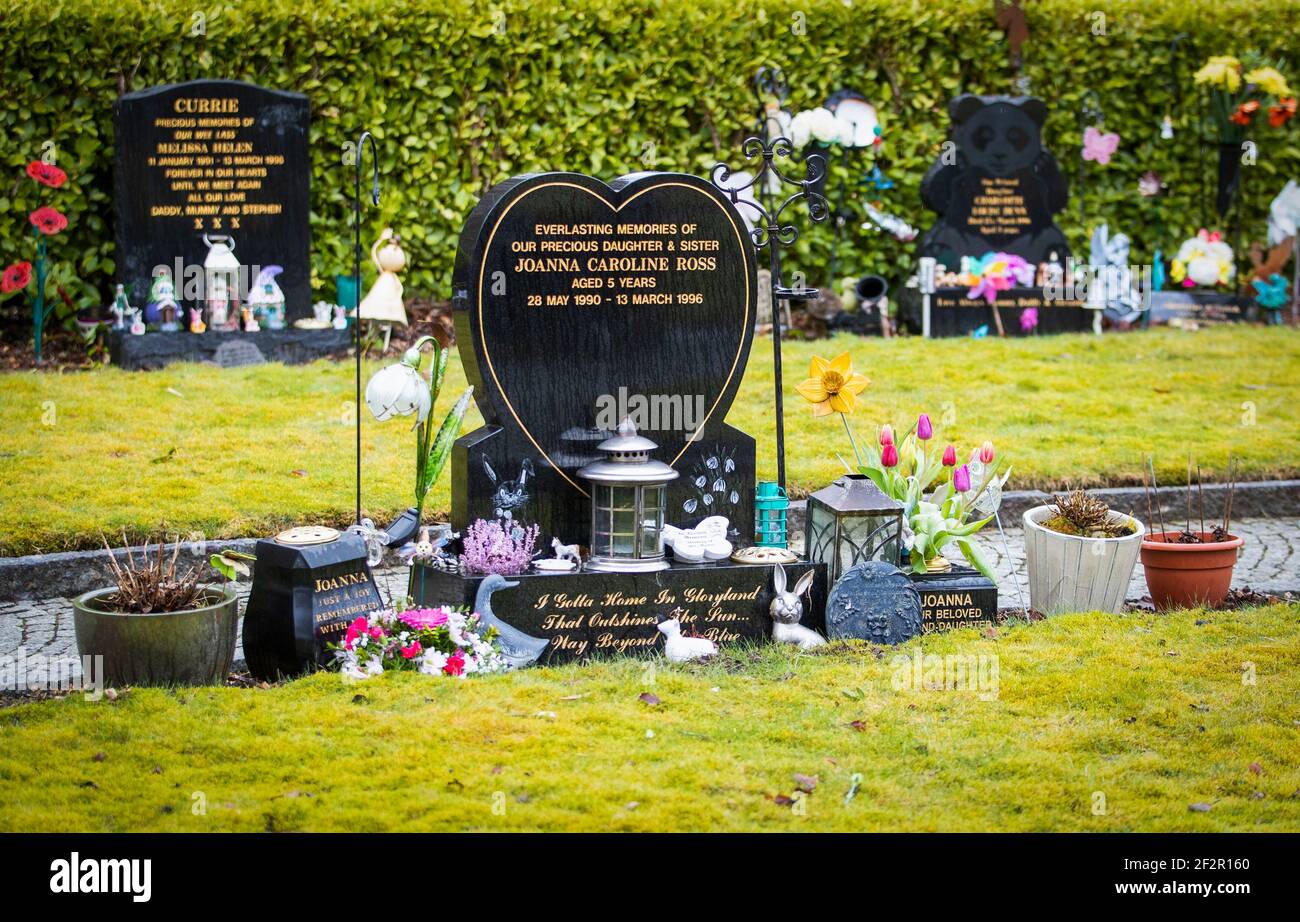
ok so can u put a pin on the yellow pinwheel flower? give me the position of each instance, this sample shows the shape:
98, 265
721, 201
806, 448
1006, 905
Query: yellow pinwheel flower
1270, 80
832, 387
1223, 71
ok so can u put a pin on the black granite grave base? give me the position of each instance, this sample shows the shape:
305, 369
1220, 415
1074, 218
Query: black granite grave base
961, 597
151, 351
1181, 304
602, 614
953, 313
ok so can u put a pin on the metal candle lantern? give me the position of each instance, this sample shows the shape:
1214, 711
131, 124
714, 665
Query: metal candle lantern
628, 497
221, 281
852, 521
770, 506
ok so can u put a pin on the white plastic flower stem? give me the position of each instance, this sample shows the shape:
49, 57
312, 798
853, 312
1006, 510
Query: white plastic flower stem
857, 455
1006, 549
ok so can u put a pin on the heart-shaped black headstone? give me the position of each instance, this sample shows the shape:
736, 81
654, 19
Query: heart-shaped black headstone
579, 303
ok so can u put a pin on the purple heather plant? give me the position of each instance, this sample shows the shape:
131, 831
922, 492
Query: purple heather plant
498, 546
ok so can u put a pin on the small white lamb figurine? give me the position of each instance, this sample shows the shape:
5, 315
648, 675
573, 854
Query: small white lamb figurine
787, 609
566, 552
681, 649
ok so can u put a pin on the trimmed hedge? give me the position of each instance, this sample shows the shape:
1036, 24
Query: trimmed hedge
463, 95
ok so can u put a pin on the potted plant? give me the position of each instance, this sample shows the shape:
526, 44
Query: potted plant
158, 626
1080, 554
1187, 569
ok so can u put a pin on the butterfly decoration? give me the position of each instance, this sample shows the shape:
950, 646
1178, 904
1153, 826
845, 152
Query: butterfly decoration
1099, 145
878, 180
1271, 294
980, 332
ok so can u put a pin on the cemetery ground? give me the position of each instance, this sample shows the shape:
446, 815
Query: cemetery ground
1180, 722
243, 452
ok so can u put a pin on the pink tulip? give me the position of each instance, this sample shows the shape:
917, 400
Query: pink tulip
886, 434
986, 452
889, 455
950, 456
961, 479
924, 431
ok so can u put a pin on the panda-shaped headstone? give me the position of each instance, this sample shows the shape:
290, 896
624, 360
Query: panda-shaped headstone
995, 187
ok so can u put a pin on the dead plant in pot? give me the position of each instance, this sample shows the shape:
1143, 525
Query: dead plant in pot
159, 624
1189, 568
1080, 554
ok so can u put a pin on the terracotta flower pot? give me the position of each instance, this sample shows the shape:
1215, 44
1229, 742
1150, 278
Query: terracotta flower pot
1188, 575
1070, 573
193, 647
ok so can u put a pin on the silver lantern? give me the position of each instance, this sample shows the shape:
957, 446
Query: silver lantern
852, 521
629, 494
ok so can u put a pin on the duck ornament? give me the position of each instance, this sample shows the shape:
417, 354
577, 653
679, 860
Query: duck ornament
517, 648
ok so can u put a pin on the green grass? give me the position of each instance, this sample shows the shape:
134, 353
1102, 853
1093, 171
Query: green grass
1153, 712
242, 452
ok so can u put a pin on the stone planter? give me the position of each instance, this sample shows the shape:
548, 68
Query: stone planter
1068, 573
193, 647
1189, 575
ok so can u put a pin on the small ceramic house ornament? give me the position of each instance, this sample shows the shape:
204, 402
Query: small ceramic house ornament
221, 279
162, 307
266, 299
383, 303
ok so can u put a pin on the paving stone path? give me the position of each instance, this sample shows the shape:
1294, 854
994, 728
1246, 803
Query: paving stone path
1269, 562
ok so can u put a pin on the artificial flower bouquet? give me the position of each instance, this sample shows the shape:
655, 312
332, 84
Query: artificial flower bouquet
939, 496
1238, 92
1204, 260
432, 641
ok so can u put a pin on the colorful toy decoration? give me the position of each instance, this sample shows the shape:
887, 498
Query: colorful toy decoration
267, 299
1272, 295
196, 321
162, 308
121, 308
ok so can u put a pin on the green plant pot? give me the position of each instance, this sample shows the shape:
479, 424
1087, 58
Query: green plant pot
192, 647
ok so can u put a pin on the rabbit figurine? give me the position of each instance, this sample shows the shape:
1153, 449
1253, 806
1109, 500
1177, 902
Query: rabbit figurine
679, 649
786, 611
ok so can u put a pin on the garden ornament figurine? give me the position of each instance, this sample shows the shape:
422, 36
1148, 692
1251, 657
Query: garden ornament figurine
267, 298
566, 552
383, 303
196, 321
787, 610
679, 649
162, 307
517, 648
121, 308
137, 322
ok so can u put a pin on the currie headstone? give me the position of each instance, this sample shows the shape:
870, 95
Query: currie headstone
578, 304
996, 188
216, 157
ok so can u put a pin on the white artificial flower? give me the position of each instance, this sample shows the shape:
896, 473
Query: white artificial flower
800, 129
824, 126
431, 662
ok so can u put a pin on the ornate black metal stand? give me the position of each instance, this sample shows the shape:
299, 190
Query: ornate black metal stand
771, 230
356, 275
